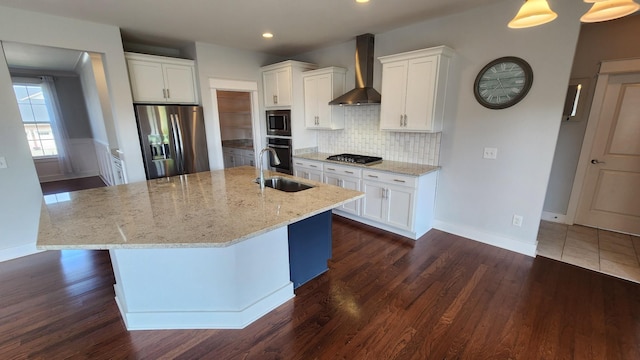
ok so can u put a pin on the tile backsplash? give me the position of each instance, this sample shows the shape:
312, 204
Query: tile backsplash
361, 135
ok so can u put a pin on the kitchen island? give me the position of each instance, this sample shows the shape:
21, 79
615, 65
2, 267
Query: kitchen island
204, 250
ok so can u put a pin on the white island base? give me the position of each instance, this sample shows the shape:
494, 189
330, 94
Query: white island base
203, 288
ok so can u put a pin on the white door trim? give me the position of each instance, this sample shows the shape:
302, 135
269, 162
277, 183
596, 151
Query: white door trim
245, 86
607, 68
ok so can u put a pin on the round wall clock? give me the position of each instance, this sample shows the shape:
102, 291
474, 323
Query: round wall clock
503, 82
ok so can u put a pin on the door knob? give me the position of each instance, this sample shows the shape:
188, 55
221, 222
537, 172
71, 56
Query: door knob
595, 161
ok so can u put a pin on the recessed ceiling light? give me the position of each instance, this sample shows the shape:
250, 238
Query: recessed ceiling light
267, 35
362, 1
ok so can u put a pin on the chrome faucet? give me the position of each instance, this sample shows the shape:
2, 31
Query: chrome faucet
276, 161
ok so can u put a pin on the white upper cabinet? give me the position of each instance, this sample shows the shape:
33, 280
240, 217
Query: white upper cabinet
321, 86
277, 87
159, 79
414, 87
281, 84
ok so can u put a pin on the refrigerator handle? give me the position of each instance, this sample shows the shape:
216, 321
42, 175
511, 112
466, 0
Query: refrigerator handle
177, 135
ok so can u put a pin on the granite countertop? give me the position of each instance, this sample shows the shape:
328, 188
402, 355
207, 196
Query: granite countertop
208, 209
239, 146
244, 144
388, 166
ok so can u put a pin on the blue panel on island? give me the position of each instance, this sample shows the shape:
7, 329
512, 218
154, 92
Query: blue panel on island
309, 248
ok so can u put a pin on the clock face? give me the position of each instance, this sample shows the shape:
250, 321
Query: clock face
503, 82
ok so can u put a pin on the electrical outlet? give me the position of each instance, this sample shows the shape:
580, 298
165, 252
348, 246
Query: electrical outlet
517, 220
490, 153
3, 162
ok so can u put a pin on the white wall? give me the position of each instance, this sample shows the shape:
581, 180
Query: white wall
608, 40
21, 195
477, 198
96, 95
72, 106
92, 99
214, 61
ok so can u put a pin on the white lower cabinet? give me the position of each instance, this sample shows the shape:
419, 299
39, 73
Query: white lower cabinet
237, 157
308, 169
399, 203
388, 203
346, 177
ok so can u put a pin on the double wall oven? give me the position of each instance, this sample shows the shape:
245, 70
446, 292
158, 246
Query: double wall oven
279, 139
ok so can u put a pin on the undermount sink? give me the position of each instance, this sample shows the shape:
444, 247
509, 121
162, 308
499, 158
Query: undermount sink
284, 184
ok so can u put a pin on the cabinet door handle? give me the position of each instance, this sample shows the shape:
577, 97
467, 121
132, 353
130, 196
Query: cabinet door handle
313, 166
401, 117
398, 180
168, 94
372, 176
405, 120
332, 169
275, 99
164, 93
299, 163
348, 172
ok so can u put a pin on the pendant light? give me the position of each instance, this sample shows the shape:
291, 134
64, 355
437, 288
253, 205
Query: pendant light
603, 10
533, 13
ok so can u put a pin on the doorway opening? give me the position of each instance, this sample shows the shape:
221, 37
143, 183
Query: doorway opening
59, 94
587, 185
238, 121
236, 128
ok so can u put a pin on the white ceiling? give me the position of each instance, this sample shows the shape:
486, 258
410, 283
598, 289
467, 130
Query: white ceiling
299, 25
31, 57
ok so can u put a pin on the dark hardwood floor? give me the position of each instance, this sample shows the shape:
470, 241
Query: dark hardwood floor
54, 187
384, 297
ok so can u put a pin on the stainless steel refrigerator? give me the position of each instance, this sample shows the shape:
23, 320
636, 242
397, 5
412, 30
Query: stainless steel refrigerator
173, 139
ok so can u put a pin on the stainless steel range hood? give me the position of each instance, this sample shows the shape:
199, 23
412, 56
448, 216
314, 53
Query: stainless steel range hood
364, 93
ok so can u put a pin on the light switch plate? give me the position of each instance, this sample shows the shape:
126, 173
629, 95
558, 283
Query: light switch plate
3, 162
490, 153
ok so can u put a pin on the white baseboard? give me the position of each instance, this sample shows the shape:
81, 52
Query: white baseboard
528, 249
18, 251
232, 319
409, 234
45, 179
559, 218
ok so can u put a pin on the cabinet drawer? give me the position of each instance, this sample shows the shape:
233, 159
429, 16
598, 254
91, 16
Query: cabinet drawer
390, 178
231, 151
307, 164
350, 171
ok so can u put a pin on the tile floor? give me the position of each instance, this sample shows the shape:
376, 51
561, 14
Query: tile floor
599, 250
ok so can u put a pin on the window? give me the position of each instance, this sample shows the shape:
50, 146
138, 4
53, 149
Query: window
36, 119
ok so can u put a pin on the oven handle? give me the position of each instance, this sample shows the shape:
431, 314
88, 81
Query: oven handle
279, 146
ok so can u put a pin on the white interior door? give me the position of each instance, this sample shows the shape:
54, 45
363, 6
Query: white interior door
610, 197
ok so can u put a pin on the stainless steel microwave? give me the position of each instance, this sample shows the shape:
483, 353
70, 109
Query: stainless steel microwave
279, 122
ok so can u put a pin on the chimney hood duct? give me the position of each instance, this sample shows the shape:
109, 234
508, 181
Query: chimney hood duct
364, 93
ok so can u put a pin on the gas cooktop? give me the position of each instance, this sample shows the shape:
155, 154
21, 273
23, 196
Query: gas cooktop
356, 159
